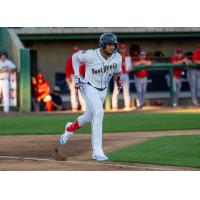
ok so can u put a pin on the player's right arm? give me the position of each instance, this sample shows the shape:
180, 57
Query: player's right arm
80, 56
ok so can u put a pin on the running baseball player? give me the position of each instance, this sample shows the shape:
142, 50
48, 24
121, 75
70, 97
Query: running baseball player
6, 68
193, 75
71, 81
177, 74
140, 77
101, 65
126, 68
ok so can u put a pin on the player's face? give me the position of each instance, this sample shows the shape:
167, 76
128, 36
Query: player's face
142, 57
40, 80
179, 55
122, 51
109, 49
3, 57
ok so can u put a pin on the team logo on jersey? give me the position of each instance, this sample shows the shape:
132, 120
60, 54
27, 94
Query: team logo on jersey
104, 69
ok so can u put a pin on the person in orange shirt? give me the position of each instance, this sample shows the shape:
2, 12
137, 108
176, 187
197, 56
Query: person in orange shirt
41, 93
193, 75
126, 68
177, 72
141, 78
70, 80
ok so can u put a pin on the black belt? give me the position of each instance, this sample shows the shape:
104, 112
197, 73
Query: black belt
100, 89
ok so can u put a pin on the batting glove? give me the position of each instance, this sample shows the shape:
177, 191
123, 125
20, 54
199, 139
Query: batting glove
79, 83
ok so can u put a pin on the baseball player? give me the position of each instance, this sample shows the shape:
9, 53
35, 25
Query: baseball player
177, 73
42, 93
70, 79
6, 68
101, 65
140, 77
126, 67
193, 75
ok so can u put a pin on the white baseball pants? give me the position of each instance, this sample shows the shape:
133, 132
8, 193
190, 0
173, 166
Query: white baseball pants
125, 87
141, 87
94, 113
177, 83
193, 76
4, 89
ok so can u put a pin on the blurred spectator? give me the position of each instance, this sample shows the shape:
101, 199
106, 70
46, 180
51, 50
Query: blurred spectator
134, 51
188, 55
7, 67
141, 78
194, 77
56, 99
70, 80
150, 55
126, 67
159, 54
41, 96
177, 74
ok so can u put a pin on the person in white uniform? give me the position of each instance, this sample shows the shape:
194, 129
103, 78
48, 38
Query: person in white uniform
6, 68
126, 68
101, 65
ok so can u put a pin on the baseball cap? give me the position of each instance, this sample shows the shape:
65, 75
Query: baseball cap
142, 53
122, 46
75, 49
56, 89
179, 50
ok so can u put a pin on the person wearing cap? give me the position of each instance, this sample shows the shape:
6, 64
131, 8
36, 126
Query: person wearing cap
56, 99
179, 58
141, 78
7, 67
193, 75
70, 80
126, 68
42, 97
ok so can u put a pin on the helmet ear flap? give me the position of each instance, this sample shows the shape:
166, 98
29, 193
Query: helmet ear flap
116, 47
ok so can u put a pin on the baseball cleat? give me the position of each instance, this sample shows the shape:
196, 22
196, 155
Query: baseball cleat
66, 135
100, 158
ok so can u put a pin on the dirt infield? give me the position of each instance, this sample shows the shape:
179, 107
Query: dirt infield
37, 152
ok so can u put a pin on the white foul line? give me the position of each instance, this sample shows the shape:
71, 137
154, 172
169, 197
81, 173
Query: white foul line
89, 163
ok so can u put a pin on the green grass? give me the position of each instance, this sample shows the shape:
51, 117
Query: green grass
166, 150
113, 122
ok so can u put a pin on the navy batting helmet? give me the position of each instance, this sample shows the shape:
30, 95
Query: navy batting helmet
108, 38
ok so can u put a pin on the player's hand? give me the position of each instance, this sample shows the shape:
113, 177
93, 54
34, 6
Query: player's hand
33, 80
39, 99
5, 69
187, 61
79, 84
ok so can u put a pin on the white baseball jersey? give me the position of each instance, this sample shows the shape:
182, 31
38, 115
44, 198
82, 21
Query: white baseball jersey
128, 64
99, 71
6, 63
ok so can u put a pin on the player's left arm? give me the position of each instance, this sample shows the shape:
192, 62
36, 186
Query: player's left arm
117, 74
117, 78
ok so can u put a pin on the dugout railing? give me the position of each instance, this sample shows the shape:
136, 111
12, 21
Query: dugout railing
169, 67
